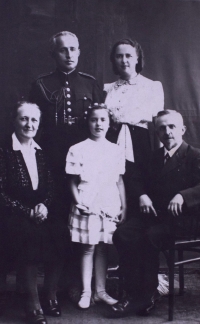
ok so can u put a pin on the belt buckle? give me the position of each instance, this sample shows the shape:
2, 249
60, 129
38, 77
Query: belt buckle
70, 120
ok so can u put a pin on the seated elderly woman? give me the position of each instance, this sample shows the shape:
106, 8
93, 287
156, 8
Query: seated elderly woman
35, 233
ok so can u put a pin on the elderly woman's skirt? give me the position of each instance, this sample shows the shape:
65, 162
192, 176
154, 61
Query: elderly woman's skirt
46, 242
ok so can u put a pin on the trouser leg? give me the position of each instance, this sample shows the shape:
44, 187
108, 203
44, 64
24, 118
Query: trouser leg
139, 242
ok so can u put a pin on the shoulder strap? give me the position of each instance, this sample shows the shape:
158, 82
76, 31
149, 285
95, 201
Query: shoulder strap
87, 75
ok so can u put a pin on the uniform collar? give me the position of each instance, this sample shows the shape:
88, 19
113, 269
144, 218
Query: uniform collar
66, 77
16, 145
68, 72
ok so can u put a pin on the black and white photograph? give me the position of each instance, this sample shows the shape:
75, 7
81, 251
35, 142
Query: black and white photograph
99, 161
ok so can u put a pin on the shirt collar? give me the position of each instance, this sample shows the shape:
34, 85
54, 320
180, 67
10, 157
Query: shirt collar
172, 151
18, 147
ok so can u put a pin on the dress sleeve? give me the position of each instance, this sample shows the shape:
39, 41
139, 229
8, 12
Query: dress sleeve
6, 200
120, 161
158, 98
73, 161
50, 193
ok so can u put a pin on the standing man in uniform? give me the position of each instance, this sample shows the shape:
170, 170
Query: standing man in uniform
63, 96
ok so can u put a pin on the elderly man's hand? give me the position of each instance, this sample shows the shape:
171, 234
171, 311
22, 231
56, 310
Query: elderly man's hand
175, 205
146, 205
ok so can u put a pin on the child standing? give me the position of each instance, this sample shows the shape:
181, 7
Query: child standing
96, 167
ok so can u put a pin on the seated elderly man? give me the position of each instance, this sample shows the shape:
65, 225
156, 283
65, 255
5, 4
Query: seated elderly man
171, 191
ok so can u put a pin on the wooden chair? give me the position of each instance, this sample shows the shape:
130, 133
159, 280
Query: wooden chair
190, 241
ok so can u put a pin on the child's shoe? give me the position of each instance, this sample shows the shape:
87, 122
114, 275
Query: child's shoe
84, 302
102, 296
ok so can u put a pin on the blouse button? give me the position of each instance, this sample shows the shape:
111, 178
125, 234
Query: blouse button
85, 98
68, 102
68, 89
66, 82
69, 109
68, 95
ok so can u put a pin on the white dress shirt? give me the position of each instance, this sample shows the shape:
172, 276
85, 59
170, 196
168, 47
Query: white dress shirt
173, 150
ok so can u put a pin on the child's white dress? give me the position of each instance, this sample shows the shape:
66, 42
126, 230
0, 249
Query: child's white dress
99, 165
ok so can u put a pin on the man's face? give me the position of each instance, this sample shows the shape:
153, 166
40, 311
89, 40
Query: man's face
170, 130
66, 53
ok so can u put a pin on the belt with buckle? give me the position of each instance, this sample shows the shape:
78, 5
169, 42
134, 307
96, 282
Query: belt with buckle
70, 120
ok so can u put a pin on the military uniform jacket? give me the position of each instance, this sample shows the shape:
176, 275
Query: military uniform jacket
64, 99
181, 174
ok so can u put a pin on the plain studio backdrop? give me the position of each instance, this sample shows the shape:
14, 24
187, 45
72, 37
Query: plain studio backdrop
168, 31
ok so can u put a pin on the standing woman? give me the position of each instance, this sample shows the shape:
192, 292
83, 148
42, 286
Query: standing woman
26, 197
134, 100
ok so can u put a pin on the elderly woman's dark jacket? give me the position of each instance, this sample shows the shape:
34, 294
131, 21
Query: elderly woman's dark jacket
26, 239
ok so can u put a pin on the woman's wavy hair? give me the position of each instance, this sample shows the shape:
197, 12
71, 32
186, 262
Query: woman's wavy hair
20, 104
134, 44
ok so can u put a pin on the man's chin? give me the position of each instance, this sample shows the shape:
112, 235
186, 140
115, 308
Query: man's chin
68, 68
169, 146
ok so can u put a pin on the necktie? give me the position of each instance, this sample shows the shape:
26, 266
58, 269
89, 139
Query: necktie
166, 158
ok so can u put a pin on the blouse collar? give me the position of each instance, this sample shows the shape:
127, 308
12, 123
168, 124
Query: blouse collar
18, 147
131, 81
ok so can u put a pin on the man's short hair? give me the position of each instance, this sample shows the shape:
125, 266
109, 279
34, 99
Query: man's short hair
175, 113
52, 41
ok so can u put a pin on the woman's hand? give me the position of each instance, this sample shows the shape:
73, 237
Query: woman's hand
122, 216
40, 213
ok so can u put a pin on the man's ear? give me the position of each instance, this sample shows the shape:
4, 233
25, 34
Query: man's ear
184, 128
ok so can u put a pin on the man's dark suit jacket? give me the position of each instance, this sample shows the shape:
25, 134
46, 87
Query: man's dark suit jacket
181, 174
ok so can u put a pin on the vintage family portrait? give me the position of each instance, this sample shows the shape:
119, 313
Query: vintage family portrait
99, 161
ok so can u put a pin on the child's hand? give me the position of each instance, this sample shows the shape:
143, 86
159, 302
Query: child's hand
83, 209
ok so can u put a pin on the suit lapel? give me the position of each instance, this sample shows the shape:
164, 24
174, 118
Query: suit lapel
41, 166
22, 169
175, 160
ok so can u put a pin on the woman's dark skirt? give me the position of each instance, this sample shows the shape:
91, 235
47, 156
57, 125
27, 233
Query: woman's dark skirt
29, 242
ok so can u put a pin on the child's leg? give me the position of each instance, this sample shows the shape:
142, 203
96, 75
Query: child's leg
86, 273
87, 266
100, 267
100, 275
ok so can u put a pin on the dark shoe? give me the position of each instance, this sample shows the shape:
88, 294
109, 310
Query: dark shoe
146, 311
36, 317
123, 308
150, 306
52, 308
